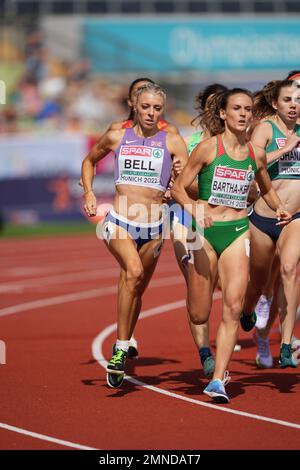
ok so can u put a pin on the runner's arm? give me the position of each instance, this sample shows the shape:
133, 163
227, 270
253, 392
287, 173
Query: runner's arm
267, 191
262, 136
196, 162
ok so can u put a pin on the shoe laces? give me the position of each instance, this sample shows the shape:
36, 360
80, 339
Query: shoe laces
226, 378
118, 357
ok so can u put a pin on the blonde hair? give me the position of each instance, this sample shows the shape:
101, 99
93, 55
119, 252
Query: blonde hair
151, 88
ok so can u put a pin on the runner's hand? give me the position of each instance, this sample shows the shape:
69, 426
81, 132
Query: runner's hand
205, 222
167, 196
283, 216
90, 205
291, 142
177, 167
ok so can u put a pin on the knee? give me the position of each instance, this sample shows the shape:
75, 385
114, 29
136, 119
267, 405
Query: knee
288, 270
233, 309
134, 275
198, 317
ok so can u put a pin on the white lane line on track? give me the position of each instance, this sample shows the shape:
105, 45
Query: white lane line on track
20, 286
43, 437
68, 277
97, 352
89, 294
63, 299
99, 356
27, 272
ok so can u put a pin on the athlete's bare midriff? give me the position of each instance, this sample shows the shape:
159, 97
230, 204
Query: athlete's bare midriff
222, 213
138, 203
288, 192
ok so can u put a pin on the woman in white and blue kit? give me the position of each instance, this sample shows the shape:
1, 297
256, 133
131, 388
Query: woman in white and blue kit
133, 228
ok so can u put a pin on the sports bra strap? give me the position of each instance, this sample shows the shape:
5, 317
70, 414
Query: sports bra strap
127, 124
162, 125
220, 146
251, 152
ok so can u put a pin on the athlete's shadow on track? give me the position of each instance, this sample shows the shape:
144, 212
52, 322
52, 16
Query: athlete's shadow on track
189, 382
131, 365
282, 382
192, 382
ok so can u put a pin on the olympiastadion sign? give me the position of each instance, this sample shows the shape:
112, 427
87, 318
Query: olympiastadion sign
208, 44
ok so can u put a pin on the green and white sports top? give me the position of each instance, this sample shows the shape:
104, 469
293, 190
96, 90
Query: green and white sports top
225, 181
194, 140
288, 165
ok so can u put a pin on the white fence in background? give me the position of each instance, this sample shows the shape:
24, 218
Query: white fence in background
30, 156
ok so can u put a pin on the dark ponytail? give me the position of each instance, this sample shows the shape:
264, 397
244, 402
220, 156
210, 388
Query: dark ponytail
202, 97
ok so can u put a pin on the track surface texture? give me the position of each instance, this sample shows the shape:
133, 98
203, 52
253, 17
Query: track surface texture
57, 319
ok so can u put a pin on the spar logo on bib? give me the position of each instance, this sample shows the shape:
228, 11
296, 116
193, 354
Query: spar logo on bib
230, 173
136, 151
281, 141
140, 151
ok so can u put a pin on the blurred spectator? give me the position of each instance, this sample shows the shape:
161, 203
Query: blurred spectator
28, 101
37, 65
9, 121
55, 95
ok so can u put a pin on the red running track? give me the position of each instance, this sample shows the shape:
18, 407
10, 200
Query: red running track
58, 299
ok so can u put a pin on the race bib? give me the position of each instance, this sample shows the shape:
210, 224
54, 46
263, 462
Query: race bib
230, 187
289, 163
140, 165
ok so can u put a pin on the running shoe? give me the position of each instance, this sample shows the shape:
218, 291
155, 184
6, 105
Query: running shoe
185, 261
295, 343
117, 363
248, 321
296, 351
132, 352
114, 380
216, 389
133, 348
264, 358
286, 358
262, 311
294, 340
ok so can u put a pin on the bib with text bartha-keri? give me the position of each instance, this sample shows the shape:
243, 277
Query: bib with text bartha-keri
226, 181
230, 187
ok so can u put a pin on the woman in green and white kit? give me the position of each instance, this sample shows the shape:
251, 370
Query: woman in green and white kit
180, 224
278, 108
225, 164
